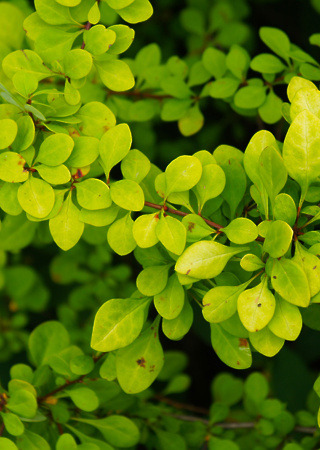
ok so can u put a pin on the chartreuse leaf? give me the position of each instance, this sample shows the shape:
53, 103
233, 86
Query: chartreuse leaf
114, 146
176, 328
220, 303
99, 39
53, 44
77, 63
236, 182
305, 99
182, 174
224, 87
301, 152
144, 230
205, 259
139, 364
192, 121
249, 97
286, 322
266, 342
278, 239
118, 322
46, 340
272, 172
238, 61
256, 306
55, 149
125, 36
96, 118
66, 227
138, 11
120, 235
171, 233
170, 301
36, 197
285, 209
93, 194
153, 279
12, 167
17, 232
54, 175
12, 423
9, 199
251, 263
7, 444
290, 281
115, 74
267, 63
52, 12
196, 227
241, 231
297, 83
83, 397
71, 95
81, 364
108, 368
127, 194
135, 166
310, 265
211, 184
233, 351
277, 40
25, 135
26, 61
271, 110
8, 132
117, 430
84, 153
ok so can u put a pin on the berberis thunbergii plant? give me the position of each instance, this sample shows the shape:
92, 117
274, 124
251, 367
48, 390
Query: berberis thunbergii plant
231, 233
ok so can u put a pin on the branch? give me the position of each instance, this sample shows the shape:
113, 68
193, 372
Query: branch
68, 383
181, 213
140, 95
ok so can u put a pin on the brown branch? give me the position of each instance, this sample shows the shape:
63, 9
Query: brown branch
180, 213
179, 405
68, 383
140, 95
87, 26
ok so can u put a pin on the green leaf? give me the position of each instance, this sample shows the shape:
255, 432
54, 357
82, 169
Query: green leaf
267, 63
289, 280
66, 442
182, 174
153, 280
53, 44
277, 40
214, 61
120, 236
60, 362
12, 423
205, 259
26, 61
114, 146
192, 121
55, 149
256, 306
99, 217
287, 321
139, 364
98, 39
310, 265
278, 239
23, 403
233, 351
175, 85
211, 184
96, 119
241, 231
127, 194
51, 12
7, 444
81, 364
108, 368
285, 209
138, 11
224, 87
170, 301
271, 110
175, 329
84, 398
256, 387
36, 197
8, 132
171, 233
12, 167
9, 200
93, 194
265, 342
115, 74
77, 63
220, 303
118, 322
135, 166
238, 61
227, 389
66, 227
222, 444
46, 340
88, 441
169, 440
117, 430
16, 233
301, 151
249, 97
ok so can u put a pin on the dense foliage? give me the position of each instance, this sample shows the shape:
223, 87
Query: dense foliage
110, 254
